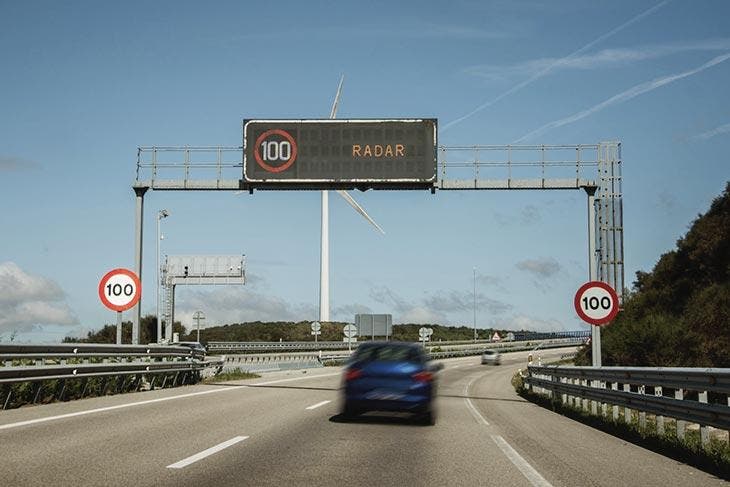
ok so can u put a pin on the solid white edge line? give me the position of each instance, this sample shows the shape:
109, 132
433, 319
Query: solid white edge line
525, 468
315, 406
206, 453
110, 408
150, 401
474, 412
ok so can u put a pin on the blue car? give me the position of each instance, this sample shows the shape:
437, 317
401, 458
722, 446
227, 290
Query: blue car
390, 376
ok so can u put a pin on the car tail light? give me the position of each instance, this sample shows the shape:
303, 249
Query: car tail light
352, 374
423, 377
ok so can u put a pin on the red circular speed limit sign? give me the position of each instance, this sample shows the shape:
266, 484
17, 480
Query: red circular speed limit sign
596, 303
120, 289
275, 150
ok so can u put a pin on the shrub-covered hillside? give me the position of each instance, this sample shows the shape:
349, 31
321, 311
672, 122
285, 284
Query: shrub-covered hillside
679, 313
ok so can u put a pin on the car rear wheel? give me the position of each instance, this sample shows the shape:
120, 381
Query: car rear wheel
350, 411
428, 418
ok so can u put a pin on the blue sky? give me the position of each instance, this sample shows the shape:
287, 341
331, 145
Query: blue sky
85, 83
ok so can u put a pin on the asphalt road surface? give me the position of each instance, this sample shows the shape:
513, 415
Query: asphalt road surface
285, 429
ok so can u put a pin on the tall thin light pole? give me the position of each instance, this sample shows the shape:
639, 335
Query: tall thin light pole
475, 304
160, 215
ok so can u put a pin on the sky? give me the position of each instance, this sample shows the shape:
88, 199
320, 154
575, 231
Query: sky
85, 83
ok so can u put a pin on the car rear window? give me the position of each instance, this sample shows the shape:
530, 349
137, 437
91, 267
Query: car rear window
388, 353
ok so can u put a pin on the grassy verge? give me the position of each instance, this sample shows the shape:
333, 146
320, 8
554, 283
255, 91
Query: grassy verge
236, 374
713, 458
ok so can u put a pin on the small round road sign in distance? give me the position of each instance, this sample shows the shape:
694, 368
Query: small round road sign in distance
596, 303
350, 331
120, 289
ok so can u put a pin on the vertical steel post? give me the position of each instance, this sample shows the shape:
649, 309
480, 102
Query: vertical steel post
169, 326
475, 304
704, 430
138, 225
119, 327
592, 271
157, 281
324, 262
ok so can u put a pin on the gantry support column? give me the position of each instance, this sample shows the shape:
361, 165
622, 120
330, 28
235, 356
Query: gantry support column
138, 225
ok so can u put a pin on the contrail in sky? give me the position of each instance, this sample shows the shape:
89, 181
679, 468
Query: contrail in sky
549, 68
632, 92
722, 129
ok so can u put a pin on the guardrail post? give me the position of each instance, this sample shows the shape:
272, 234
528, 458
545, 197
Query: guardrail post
658, 392
7, 399
584, 383
563, 396
614, 387
627, 410
704, 430
63, 390
594, 404
37, 392
604, 406
551, 392
642, 414
679, 394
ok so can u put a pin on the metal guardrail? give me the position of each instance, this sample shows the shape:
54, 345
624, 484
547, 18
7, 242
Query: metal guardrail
238, 347
38, 363
274, 361
642, 389
233, 347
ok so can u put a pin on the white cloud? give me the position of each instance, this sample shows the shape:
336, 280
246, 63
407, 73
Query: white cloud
237, 305
347, 312
28, 301
16, 164
437, 307
494, 282
541, 268
528, 323
626, 95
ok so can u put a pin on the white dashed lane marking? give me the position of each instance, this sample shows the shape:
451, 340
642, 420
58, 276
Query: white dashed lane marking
206, 453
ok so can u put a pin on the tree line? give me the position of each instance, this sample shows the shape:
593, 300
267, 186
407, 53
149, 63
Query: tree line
287, 331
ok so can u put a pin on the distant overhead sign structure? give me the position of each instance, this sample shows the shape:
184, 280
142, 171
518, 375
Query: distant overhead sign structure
340, 154
380, 325
596, 303
120, 289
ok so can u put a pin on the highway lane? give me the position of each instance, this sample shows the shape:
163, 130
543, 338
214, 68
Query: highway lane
284, 431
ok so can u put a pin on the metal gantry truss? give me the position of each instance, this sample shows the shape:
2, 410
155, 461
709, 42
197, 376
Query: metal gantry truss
595, 168
197, 270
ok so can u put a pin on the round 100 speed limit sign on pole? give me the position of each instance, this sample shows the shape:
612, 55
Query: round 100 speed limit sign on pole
120, 290
596, 303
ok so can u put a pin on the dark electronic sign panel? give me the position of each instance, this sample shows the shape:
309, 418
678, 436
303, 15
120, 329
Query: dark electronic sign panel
338, 154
